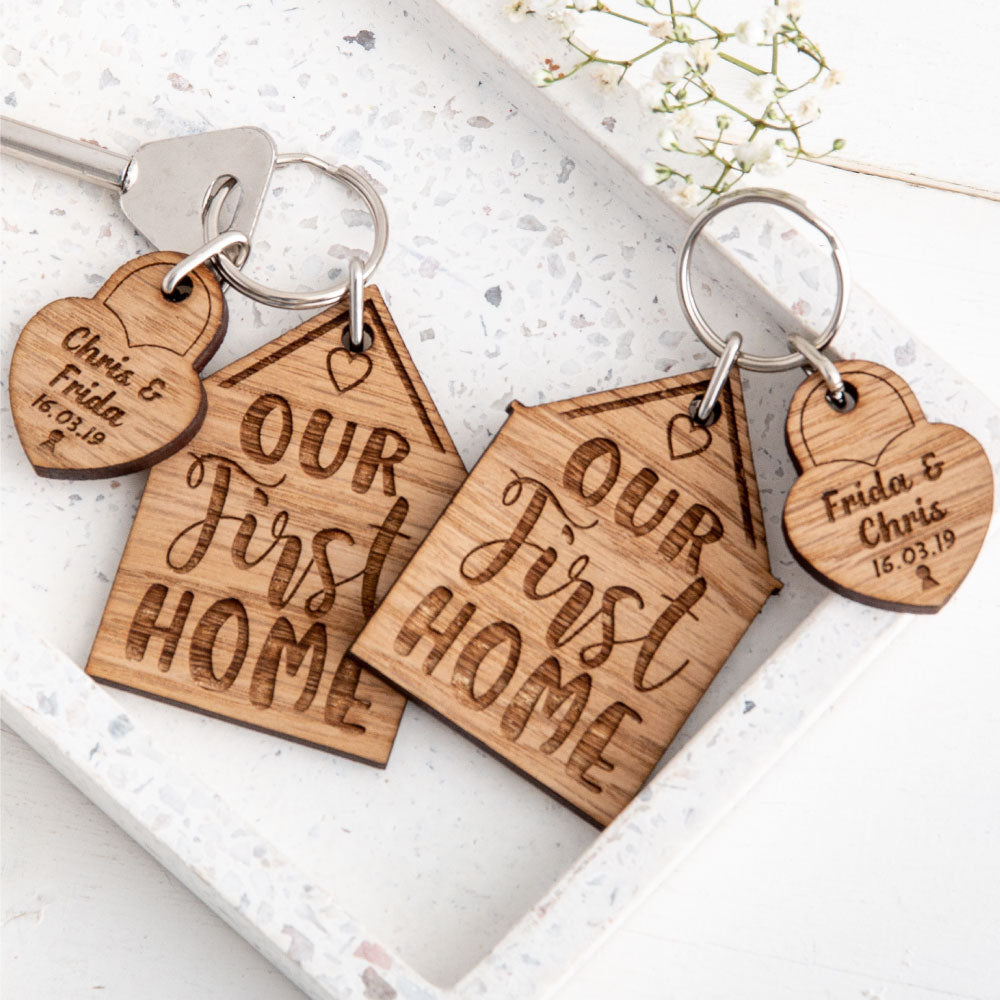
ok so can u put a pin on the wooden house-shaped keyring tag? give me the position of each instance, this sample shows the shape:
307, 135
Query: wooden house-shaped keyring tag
584, 586
259, 551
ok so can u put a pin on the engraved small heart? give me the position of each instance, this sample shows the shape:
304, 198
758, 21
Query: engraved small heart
685, 438
105, 386
342, 364
901, 532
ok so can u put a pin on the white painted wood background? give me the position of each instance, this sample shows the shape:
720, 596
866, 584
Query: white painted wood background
866, 863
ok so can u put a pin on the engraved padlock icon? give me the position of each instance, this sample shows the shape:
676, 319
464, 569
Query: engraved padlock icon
889, 509
117, 374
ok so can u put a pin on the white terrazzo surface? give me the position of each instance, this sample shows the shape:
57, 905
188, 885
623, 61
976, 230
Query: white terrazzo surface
513, 271
483, 209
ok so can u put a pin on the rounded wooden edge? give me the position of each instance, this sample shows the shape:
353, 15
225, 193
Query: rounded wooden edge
126, 468
460, 730
874, 602
380, 762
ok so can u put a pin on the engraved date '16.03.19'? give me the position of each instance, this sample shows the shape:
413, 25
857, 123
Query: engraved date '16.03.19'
70, 422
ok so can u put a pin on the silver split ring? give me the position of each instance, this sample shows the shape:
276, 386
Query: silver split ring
819, 362
323, 296
720, 376
781, 199
356, 304
213, 248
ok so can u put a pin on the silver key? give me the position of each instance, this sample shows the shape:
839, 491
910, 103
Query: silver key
166, 186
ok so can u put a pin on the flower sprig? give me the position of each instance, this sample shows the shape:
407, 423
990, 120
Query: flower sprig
735, 97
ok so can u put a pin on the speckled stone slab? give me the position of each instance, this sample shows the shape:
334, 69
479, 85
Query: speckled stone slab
525, 259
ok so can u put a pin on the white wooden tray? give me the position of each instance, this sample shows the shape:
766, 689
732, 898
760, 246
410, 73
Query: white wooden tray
447, 867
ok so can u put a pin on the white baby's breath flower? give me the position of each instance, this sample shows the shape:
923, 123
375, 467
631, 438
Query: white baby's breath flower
761, 154
667, 137
650, 175
701, 54
809, 110
566, 19
688, 195
833, 78
651, 94
751, 152
607, 77
680, 76
671, 68
774, 163
684, 125
517, 10
750, 32
662, 29
761, 88
771, 22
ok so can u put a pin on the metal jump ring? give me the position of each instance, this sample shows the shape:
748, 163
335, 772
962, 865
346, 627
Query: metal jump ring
323, 296
213, 248
819, 362
760, 362
356, 303
719, 378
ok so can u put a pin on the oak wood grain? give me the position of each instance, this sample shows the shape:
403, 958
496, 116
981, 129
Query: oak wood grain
889, 509
105, 386
258, 553
584, 586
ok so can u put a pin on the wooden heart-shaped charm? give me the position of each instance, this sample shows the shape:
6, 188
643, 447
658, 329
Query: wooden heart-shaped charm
105, 386
889, 509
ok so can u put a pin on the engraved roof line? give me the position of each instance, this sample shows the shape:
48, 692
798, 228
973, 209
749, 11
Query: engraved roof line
309, 336
274, 357
411, 391
641, 399
668, 392
729, 405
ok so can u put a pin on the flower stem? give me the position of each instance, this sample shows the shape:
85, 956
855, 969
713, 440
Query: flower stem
698, 88
742, 65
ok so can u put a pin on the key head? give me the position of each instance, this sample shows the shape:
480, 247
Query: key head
169, 183
105, 386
